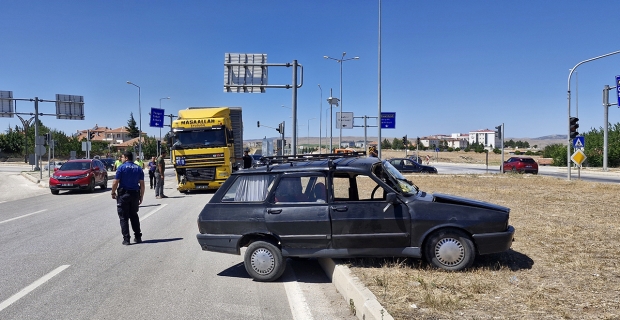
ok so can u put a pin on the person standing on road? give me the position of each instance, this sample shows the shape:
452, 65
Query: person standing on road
247, 160
139, 162
159, 176
129, 182
152, 167
118, 162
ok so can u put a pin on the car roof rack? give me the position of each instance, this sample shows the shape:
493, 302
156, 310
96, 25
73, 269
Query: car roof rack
310, 157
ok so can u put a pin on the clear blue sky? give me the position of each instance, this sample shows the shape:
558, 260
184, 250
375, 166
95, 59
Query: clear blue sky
447, 66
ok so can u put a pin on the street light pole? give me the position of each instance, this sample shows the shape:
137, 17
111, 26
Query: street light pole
341, 60
570, 74
140, 117
308, 140
320, 119
160, 99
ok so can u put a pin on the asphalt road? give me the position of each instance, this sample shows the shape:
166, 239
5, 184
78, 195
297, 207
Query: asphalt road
62, 258
593, 175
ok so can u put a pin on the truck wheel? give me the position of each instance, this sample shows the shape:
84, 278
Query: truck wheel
450, 250
263, 261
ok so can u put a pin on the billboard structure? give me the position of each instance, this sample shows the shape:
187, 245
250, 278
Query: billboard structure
245, 72
6, 104
69, 107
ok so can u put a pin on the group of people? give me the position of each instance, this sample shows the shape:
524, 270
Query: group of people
128, 190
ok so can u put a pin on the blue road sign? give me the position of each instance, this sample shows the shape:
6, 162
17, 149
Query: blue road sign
579, 142
388, 120
157, 118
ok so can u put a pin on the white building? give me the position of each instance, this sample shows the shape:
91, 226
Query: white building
485, 137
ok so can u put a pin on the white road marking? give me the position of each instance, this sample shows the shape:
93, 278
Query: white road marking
31, 287
100, 194
150, 213
1, 222
296, 299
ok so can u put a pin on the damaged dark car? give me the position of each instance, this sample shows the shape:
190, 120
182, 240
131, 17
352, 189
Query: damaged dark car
344, 206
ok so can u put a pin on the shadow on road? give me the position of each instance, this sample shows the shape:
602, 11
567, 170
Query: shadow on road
161, 240
306, 270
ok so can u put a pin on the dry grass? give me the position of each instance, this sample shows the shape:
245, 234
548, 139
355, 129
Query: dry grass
563, 264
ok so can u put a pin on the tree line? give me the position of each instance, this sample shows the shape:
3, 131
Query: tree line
593, 148
15, 143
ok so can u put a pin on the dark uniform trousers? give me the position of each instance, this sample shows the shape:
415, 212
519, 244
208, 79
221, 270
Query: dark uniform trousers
151, 177
128, 203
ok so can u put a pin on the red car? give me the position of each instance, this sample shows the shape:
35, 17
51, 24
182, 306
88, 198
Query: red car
81, 174
521, 165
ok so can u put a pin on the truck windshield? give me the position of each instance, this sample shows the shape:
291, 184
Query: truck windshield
200, 139
403, 185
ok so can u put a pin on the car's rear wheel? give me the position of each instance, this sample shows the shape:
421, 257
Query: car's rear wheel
450, 250
104, 185
91, 185
54, 191
514, 169
263, 261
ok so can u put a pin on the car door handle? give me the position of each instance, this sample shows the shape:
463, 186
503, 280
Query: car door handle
340, 208
274, 211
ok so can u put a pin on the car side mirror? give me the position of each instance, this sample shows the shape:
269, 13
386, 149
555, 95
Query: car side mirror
55, 169
390, 197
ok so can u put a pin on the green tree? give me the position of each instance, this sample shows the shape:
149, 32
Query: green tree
397, 144
12, 142
132, 127
557, 152
385, 144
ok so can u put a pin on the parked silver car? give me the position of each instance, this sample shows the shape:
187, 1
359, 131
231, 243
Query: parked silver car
53, 165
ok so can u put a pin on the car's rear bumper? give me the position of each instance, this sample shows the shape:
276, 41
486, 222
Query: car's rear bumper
494, 242
225, 243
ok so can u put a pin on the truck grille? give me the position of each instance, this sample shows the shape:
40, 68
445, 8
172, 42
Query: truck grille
204, 160
200, 174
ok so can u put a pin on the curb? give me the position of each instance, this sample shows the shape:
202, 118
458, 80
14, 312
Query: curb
31, 177
362, 302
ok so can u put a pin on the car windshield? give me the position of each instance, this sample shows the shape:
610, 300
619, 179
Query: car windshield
200, 139
529, 160
75, 166
404, 186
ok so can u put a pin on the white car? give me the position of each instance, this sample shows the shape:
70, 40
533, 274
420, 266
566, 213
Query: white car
52, 165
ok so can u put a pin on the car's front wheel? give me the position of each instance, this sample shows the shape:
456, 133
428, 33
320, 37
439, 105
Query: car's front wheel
450, 249
263, 261
91, 185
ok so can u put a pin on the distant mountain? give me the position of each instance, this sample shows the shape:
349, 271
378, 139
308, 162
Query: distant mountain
551, 137
541, 142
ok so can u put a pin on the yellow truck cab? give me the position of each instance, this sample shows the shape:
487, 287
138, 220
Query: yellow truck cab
207, 146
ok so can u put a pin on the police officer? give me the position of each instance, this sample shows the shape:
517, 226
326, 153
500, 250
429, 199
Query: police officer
129, 182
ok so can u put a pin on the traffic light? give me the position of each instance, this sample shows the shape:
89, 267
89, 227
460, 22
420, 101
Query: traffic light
258, 124
498, 132
280, 128
91, 135
47, 139
405, 140
573, 124
158, 145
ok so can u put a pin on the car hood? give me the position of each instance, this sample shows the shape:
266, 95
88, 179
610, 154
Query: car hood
70, 173
445, 198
